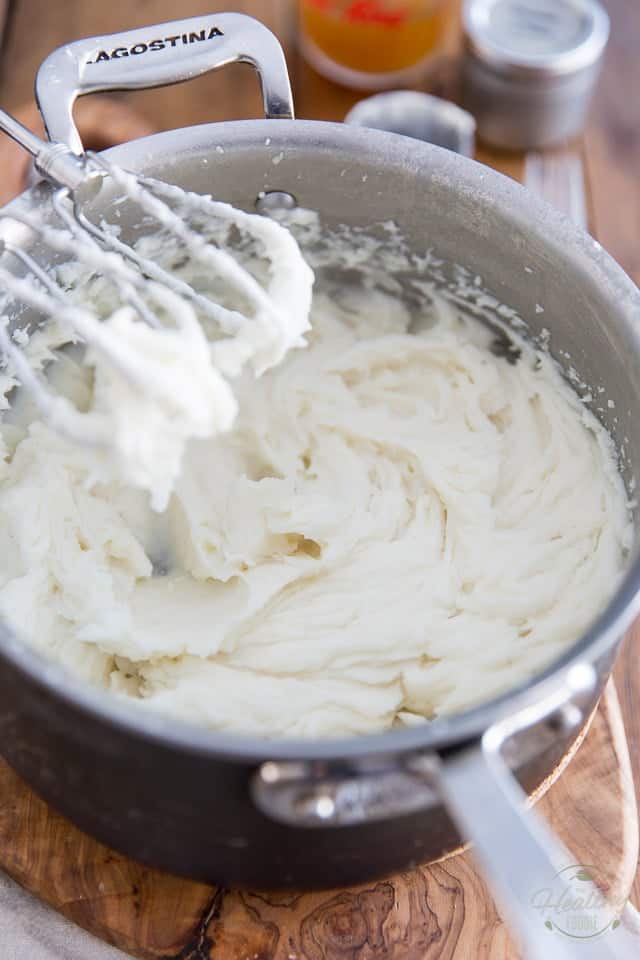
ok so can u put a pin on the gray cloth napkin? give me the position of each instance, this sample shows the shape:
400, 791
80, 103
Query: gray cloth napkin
29, 930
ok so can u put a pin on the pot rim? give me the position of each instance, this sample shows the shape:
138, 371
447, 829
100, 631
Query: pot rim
493, 190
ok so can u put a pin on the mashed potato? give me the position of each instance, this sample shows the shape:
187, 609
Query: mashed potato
401, 523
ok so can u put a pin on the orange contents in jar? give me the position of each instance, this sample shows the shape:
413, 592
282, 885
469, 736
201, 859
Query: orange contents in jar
374, 36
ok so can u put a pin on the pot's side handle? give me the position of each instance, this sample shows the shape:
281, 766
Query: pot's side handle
531, 874
301, 794
154, 56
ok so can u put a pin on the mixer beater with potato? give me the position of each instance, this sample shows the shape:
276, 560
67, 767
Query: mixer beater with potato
151, 337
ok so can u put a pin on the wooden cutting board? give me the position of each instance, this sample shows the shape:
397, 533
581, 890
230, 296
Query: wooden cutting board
434, 912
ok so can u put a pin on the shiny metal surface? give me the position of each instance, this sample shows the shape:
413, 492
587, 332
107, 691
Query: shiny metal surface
53, 160
154, 56
418, 115
539, 39
304, 795
151, 56
530, 67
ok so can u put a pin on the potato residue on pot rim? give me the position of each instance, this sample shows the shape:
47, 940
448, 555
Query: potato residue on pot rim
404, 521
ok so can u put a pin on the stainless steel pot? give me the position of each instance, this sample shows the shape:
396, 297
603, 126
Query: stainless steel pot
281, 813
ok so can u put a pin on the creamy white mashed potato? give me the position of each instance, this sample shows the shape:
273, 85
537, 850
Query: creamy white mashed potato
400, 524
159, 381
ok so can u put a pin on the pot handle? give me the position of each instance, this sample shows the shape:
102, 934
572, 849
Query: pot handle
526, 867
154, 56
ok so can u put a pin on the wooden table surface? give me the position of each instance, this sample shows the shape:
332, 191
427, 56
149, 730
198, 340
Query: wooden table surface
610, 148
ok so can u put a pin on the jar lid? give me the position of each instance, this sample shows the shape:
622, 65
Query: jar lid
418, 115
536, 38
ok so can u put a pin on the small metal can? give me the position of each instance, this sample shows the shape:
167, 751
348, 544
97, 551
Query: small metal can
530, 68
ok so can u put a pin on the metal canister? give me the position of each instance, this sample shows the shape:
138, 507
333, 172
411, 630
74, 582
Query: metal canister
530, 67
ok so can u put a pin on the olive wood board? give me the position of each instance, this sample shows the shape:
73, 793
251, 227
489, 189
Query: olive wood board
442, 910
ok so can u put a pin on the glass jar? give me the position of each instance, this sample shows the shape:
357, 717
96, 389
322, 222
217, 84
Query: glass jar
372, 44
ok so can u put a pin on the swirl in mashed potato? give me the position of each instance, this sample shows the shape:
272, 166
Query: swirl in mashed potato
400, 524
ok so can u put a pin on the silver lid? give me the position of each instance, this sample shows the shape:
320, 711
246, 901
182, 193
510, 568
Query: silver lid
417, 115
536, 38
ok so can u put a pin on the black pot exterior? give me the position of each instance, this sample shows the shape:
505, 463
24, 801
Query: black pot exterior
192, 814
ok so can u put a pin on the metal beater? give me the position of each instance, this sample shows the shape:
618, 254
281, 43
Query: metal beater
140, 281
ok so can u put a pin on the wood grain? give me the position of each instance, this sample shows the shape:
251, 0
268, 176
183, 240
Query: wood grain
430, 913
612, 141
435, 911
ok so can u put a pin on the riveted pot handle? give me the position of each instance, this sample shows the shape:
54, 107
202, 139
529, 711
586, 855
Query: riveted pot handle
303, 794
155, 56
